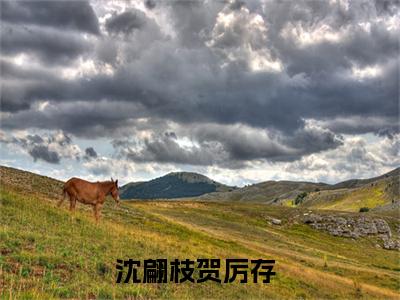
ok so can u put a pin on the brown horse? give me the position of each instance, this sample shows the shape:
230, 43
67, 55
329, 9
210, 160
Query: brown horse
90, 193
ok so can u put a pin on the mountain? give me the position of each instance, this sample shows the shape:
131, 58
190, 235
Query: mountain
173, 185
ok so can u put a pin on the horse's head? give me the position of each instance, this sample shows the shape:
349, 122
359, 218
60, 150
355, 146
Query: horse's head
115, 191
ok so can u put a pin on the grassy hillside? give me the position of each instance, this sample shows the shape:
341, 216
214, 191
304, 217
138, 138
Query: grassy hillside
29, 183
48, 253
381, 193
173, 185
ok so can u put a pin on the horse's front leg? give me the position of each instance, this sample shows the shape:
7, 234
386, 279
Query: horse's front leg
97, 211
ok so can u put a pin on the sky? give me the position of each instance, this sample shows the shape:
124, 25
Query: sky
240, 91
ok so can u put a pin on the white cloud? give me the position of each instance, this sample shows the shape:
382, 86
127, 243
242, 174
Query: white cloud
242, 36
366, 72
316, 34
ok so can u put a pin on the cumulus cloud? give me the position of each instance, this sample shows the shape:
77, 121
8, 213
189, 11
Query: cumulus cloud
357, 157
220, 89
50, 148
242, 82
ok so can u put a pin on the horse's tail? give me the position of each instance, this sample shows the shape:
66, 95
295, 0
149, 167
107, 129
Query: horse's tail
64, 194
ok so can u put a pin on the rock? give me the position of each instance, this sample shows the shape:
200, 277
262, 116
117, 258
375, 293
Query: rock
382, 227
276, 221
341, 221
352, 227
312, 218
391, 244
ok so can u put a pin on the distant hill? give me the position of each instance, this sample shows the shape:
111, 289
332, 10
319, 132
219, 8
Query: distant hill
173, 185
353, 183
378, 193
268, 191
382, 192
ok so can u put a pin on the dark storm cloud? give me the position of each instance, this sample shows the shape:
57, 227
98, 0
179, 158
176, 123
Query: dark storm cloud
357, 48
242, 143
11, 71
75, 15
312, 140
49, 45
218, 95
386, 126
165, 149
150, 4
35, 139
246, 144
237, 4
126, 22
193, 20
43, 153
90, 152
387, 6
229, 146
82, 118
195, 71
11, 99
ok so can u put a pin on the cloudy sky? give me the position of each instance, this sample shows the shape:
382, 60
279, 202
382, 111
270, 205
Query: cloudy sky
241, 91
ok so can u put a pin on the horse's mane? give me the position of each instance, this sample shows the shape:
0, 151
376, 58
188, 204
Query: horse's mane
106, 185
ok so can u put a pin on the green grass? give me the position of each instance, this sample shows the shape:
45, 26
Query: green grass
47, 252
370, 197
288, 202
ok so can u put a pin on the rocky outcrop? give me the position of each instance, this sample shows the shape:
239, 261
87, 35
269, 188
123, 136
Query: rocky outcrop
391, 244
353, 227
273, 221
276, 221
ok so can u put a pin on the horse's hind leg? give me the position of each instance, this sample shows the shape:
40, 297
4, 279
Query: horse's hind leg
72, 204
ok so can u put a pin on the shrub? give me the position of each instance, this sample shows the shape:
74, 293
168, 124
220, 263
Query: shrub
364, 209
300, 197
102, 269
325, 261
